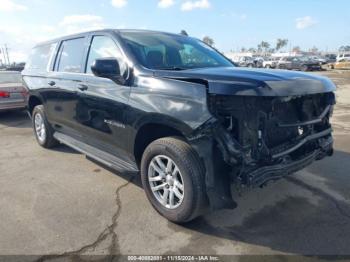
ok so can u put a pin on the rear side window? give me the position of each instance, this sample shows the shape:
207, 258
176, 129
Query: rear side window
10, 78
71, 56
40, 57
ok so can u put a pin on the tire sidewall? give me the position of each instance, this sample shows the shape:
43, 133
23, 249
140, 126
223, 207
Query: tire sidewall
40, 110
182, 212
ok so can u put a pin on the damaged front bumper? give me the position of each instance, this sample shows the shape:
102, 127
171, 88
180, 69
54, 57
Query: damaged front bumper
262, 175
313, 147
227, 162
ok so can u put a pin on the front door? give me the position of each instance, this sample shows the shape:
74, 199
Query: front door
102, 102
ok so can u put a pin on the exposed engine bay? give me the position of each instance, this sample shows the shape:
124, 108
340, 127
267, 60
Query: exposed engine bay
264, 138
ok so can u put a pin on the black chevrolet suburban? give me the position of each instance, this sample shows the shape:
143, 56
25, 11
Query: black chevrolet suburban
176, 111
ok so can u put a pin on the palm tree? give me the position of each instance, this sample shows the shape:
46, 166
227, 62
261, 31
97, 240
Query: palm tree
252, 50
265, 45
281, 43
208, 40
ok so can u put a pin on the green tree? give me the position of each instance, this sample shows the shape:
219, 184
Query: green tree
344, 48
281, 43
252, 50
265, 45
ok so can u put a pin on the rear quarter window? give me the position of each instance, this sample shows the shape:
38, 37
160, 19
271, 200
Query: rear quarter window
40, 57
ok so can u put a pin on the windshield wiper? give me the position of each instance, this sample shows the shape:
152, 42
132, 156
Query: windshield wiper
173, 68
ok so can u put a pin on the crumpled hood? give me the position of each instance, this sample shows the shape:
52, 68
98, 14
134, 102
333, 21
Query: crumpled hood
253, 82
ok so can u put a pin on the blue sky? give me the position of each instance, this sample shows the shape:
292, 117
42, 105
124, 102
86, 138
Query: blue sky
231, 23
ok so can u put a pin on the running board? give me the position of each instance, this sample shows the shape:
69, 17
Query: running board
107, 159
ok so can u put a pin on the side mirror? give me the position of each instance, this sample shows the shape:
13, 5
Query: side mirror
107, 68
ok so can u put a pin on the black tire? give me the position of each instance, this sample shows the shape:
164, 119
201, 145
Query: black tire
49, 140
195, 200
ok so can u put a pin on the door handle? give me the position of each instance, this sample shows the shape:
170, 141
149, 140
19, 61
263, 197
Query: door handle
82, 87
51, 83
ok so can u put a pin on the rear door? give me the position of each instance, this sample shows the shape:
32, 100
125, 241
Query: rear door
35, 76
100, 110
66, 78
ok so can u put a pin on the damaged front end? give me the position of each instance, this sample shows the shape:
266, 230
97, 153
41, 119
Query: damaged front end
261, 138
264, 138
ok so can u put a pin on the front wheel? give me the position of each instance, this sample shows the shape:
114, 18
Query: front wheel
173, 179
42, 129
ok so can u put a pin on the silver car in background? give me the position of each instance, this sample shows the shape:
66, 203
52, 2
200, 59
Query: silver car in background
13, 95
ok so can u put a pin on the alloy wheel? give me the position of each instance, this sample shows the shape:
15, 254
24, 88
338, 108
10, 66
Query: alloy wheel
40, 128
166, 182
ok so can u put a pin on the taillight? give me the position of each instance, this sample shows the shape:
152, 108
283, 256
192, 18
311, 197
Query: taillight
25, 93
4, 94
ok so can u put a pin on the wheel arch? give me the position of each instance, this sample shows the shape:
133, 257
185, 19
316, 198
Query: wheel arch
33, 101
152, 129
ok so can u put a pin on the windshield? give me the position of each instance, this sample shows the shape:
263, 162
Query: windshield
171, 52
10, 78
305, 59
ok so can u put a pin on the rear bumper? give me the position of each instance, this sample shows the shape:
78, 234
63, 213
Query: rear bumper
12, 105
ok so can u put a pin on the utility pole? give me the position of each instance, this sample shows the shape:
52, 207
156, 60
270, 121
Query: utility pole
4, 55
7, 54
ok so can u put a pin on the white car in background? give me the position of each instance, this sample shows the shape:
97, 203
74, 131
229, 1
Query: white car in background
321, 60
270, 62
343, 57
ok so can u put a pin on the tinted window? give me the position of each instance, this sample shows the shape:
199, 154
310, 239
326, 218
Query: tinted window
172, 52
104, 47
10, 78
40, 57
71, 56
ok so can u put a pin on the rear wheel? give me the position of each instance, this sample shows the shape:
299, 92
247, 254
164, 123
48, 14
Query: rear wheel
42, 129
173, 179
